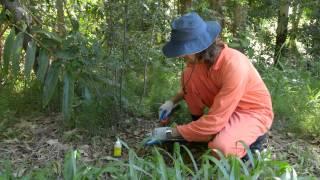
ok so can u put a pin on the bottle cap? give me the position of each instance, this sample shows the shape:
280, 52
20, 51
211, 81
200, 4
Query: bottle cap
118, 143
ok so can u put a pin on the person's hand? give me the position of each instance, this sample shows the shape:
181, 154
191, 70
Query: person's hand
160, 133
163, 134
158, 136
165, 110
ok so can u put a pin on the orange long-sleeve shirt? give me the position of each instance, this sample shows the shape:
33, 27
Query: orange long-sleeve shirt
235, 85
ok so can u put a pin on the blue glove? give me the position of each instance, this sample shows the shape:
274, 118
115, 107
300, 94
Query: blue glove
165, 110
158, 135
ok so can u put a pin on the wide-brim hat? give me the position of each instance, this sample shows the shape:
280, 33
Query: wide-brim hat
190, 34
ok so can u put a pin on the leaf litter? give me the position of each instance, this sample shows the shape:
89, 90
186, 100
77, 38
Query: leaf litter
41, 141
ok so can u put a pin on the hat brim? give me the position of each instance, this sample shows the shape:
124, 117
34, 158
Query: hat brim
181, 48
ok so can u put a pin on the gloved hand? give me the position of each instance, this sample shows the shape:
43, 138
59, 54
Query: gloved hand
163, 134
158, 135
165, 110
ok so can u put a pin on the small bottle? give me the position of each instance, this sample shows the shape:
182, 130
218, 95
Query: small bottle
117, 148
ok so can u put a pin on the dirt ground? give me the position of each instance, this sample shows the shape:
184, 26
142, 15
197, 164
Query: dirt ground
38, 142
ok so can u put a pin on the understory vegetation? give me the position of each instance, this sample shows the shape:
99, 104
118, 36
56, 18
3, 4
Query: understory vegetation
160, 164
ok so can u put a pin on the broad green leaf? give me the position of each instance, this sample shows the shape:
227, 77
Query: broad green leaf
139, 169
161, 165
16, 53
3, 17
244, 167
30, 57
177, 160
124, 144
70, 165
316, 96
251, 159
199, 173
177, 168
206, 170
219, 164
49, 35
191, 157
87, 95
65, 54
235, 169
132, 171
257, 174
223, 159
43, 61
120, 163
177, 152
166, 153
51, 82
294, 174
68, 92
7, 51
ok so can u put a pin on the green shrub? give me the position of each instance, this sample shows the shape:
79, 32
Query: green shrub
17, 100
296, 98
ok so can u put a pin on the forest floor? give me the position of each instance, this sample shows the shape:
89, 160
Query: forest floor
37, 142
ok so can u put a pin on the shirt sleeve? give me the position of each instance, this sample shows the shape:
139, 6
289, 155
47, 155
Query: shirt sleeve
234, 77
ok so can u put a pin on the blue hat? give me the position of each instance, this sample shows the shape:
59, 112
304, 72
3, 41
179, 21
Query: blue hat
190, 34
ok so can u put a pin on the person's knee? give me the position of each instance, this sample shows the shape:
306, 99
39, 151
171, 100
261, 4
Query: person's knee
227, 147
220, 145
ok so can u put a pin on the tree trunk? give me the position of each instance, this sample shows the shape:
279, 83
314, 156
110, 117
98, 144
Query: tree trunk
0, 51
124, 54
296, 13
184, 6
60, 17
239, 18
282, 29
2, 31
108, 39
216, 5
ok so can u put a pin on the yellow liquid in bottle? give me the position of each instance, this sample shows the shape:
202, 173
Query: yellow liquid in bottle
117, 151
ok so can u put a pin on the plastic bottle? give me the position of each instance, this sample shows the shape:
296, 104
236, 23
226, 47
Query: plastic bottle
117, 148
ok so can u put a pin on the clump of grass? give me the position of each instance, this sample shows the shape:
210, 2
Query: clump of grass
158, 166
